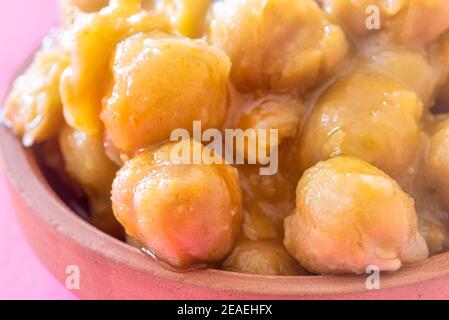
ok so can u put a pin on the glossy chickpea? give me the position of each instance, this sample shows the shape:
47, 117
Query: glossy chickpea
187, 16
281, 113
352, 14
365, 115
277, 44
162, 84
436, 235
267, 200
90, 42
70, 10
33, 109
437, 159
84, 5
97, 5
412, 68
406, 21
86, 163
350, 215
184, 214
263, 258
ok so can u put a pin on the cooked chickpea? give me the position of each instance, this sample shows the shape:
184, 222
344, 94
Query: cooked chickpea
412, 68
33, 108
437, 160
188, 16
90, 43
352, 14
281, 113
267, 200
262, 257
407, 21
350, 215
84, 5
433, 220
87, 164
184, 214
71, 8
164, 84
365, 115
436, 235
254, 34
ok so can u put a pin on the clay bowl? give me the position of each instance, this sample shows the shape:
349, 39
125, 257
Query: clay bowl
111, 269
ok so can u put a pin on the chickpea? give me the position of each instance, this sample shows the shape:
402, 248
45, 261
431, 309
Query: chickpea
365, 115
262, 257
410, 67
267, 200
71, 8
437, 159
97, 5
405, 20
91, 41
433, 220
84, 5
162, 84
87, 164
281, 113
188, 16
277, 44
33, 108
436, 235
350, 215
102, 216
184, 214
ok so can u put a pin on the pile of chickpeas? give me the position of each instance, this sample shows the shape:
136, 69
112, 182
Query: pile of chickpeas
362, 114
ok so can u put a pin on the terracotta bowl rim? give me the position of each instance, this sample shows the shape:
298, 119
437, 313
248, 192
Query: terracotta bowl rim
25, 177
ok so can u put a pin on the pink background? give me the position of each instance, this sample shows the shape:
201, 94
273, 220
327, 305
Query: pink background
23, 23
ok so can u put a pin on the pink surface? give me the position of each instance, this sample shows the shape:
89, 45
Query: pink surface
23, 23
